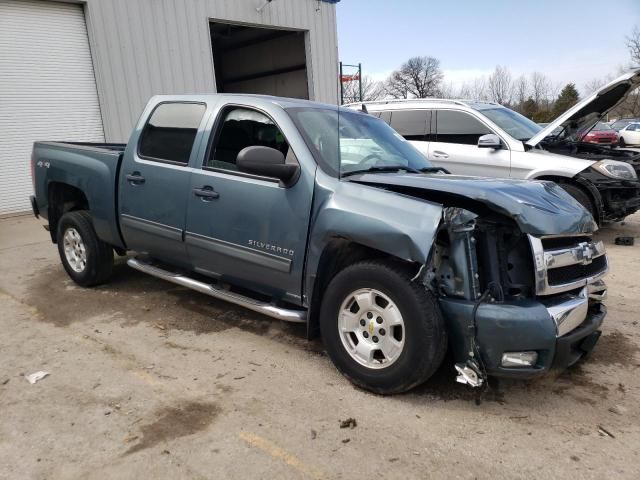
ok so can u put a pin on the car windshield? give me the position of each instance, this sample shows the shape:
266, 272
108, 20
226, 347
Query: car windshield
516, 125
347, 141
601, 127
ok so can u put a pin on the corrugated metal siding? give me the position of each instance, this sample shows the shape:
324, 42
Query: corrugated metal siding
146, 47
47, 89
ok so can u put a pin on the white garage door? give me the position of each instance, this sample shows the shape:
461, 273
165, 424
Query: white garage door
47, 89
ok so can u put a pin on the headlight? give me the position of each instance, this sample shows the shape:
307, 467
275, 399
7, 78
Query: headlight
614, 169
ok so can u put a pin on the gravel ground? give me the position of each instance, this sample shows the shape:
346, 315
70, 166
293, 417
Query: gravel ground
152, 381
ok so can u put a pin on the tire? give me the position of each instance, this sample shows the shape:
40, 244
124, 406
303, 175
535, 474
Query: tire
581, 197
621, 142
86, 258
422, 334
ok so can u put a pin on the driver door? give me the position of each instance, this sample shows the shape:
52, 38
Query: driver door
245, 229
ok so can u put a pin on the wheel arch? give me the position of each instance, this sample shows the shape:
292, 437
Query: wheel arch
63, 198
338, 254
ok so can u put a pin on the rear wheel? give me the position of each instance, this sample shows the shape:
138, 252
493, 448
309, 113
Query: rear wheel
581, 197
86, 258
621, 142
382, 331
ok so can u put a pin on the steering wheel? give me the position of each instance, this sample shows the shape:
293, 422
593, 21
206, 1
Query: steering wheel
368, 161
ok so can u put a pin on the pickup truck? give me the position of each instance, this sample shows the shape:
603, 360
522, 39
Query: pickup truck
312, 213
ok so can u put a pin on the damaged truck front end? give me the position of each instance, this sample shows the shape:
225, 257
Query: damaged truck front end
527, 303
519, 282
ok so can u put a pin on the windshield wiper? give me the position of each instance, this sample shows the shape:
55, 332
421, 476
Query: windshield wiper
382, 168
434, 170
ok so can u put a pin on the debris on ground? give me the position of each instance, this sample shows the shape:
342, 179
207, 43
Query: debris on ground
627, 241
4, 382
604, 432
618, 410
36, 377
348, 423
314, 434
346, 440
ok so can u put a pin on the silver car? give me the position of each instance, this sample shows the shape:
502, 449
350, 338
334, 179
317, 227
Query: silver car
487, 139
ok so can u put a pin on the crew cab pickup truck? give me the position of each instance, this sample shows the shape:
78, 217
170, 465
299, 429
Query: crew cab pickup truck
312, 213
487, 139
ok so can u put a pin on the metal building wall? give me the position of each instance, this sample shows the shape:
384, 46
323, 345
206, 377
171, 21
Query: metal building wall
141, 48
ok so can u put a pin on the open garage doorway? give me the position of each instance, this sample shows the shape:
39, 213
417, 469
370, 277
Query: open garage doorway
250, 59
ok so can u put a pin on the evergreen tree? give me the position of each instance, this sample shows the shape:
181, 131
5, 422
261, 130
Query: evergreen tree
568, 98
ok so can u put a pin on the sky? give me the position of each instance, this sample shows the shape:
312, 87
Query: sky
567, 40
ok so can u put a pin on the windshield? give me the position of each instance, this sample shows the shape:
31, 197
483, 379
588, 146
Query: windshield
349, 141
516, 125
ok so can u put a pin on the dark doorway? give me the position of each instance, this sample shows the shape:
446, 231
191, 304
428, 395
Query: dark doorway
259, 60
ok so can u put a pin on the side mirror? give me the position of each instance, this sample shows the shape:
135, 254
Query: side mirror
266, 162
490, 140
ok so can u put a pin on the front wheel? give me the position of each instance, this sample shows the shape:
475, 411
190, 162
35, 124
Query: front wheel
86, 258
381, 330
621, 142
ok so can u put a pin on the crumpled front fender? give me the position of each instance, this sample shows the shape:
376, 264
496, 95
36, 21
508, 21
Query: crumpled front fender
402, 226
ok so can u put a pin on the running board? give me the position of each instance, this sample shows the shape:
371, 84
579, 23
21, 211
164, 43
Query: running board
288, 315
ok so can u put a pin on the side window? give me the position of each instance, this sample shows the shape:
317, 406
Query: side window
411, 124
170, 132
386, 117
241, 128
459, 127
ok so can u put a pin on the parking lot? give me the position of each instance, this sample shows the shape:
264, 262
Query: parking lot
147, 380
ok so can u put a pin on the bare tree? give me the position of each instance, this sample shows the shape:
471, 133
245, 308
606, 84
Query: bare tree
633, 44
500, 85
371, 90
418, 77
521, 90
540, 88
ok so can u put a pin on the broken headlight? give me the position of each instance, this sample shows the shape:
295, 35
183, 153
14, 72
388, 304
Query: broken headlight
615, 169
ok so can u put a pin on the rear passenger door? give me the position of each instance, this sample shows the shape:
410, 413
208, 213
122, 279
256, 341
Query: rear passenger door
455, 146
246, 229
154, 180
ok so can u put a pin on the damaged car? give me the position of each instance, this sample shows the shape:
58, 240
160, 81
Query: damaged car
325, 216
487, 139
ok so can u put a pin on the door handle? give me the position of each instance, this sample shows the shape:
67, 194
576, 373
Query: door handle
439, 154
135, 178
206, 193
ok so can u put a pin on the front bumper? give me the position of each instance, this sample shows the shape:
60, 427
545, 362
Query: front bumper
573, 346
525, 325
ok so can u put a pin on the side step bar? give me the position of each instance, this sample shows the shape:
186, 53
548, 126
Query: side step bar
296, 316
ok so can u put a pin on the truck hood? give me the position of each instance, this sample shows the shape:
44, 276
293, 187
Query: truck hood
589, 111
539, 208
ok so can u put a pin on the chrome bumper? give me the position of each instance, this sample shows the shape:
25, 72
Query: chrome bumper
569, 311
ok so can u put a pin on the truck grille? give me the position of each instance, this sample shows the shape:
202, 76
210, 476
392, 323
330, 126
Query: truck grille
566, 263
572, 273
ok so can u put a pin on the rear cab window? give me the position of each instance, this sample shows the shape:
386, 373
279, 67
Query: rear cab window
170, 132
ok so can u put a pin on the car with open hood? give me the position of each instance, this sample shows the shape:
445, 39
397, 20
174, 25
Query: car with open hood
487, 139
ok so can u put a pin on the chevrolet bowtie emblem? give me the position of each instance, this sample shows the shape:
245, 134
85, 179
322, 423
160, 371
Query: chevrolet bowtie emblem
587, 253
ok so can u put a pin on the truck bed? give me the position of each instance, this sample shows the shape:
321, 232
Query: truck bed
92, 168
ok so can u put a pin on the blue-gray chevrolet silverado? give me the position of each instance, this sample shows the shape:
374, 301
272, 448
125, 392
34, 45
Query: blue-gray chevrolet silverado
311, 213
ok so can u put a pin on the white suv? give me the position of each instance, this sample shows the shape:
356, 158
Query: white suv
489, 140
